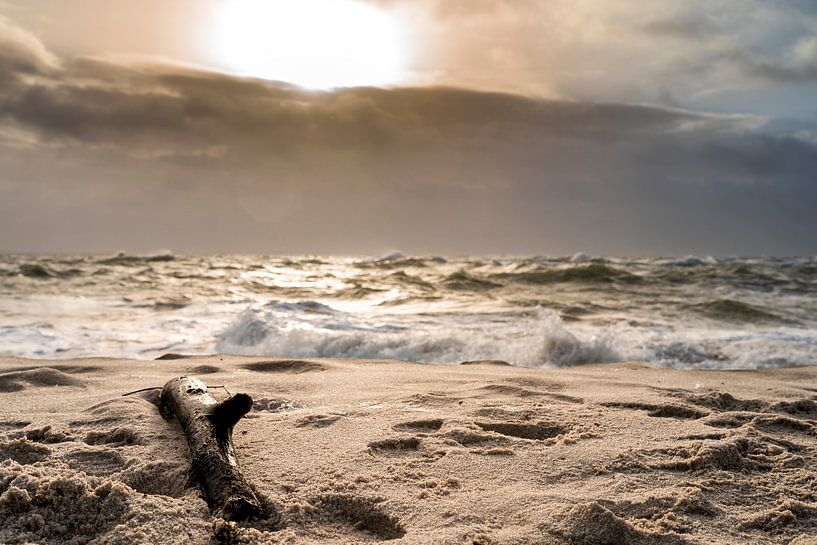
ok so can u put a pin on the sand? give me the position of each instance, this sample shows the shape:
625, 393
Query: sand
366, 451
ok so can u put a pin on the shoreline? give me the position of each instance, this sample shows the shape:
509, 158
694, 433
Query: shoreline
360, 451
173, 356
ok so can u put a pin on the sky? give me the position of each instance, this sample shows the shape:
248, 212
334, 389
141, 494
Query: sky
610, 127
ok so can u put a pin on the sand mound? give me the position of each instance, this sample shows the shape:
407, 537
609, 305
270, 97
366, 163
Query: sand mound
41, 376
57, 507
591, 523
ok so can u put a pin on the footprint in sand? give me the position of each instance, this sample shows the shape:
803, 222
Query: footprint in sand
203, 370
538, 431
676, 502
510, 390
420, 426
660, 410
787, 512
496, 438
317, 420
803, 407
784, 424
469, 437
729, 420
723, 402
526, 391
273, 404
736, 453
431, 399
396, 445
482, 437
726, 402
361, 515
285, 366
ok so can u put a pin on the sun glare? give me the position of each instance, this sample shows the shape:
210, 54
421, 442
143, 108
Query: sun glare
317, 44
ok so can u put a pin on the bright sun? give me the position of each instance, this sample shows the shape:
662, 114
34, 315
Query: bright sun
317, 44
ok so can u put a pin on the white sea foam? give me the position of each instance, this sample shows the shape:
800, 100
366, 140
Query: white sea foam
543, 340
688, 312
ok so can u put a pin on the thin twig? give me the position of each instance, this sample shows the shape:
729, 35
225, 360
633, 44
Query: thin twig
159, 388
142, 390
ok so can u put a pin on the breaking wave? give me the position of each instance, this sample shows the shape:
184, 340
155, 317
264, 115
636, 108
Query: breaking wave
542, 340
736, 311
535, 311
595, 272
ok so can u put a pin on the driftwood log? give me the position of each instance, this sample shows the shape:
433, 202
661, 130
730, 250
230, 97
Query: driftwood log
208, 426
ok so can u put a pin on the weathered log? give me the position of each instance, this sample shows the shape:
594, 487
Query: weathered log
208, 426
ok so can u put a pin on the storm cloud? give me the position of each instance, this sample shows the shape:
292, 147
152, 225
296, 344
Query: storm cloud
101, 153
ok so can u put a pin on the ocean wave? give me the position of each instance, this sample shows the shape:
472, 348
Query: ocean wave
34, 270
747, 276
128, 260
301, 306
689, 261
411, 300
685, 354
734, 311
561, 348
593, 273
540, 341
166, 303
358, 291
397, 260
685, 312
41, 272
268, 287
410, 280
462, 281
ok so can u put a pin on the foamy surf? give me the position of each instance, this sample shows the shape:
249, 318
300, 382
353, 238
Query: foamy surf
535, 312
534, 341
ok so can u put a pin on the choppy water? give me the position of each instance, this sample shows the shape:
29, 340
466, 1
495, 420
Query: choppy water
538, 311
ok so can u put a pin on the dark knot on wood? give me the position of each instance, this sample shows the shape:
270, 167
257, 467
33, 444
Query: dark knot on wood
227, 413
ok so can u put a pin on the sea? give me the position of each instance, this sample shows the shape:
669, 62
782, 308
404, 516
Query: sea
690, 312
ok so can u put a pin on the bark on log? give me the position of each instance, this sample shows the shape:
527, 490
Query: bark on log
208, 426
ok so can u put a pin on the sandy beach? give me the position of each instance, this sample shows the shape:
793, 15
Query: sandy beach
366, 451
418, 272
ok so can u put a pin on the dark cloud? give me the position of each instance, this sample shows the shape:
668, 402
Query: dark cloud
114, 155
21, 56
797, 71
146, 109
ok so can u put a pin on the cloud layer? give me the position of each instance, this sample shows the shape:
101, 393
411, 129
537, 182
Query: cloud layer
101, 154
